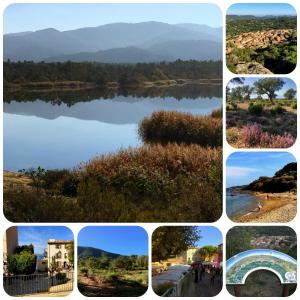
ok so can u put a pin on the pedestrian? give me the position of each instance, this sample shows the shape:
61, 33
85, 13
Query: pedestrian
195, 268
212, 276
200, 272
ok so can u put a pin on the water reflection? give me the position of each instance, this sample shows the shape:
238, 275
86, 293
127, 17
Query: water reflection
62, 132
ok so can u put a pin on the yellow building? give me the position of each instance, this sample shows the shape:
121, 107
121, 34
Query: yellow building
59, 250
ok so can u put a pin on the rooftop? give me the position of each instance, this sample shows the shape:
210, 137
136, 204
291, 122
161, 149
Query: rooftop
53, 241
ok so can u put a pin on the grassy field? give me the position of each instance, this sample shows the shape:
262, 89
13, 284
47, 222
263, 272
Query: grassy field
261, 124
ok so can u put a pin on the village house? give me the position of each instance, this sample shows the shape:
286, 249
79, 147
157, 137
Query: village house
58, 250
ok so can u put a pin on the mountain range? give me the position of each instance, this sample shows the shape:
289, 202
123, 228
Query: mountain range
86, 252
117, 43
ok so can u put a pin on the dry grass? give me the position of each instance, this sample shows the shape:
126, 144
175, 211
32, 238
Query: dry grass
175, 127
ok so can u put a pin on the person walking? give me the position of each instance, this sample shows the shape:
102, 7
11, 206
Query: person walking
200, 272
212, 275
195, 268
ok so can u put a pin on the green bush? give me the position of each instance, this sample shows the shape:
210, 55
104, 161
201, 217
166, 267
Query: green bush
63, 181
24, 248
294, 105
61, 277
21, 264
278, 109
29, 206
84, 271
255, 108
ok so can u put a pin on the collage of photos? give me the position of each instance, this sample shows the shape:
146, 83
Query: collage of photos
150, 150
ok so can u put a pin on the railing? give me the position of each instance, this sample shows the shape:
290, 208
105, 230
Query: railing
178, 290
38, 283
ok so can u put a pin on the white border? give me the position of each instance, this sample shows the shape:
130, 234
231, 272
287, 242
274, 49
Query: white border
223, 224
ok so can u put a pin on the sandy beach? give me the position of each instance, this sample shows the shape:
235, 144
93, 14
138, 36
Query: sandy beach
276, 207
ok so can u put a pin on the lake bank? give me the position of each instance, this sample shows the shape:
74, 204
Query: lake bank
278, 207
68, 84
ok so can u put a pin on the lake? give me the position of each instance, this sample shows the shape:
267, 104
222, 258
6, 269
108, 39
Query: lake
63, 129
238, 204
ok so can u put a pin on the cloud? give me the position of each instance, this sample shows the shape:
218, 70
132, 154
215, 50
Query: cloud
237, 172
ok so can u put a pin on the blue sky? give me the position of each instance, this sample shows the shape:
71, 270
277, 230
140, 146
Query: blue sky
244, 167
261, 9
29, 17
39, 235
250, 81
210, 235
125, 240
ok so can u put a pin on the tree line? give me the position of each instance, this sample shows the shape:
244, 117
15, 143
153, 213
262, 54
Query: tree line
132, 262
101, 74
262, 87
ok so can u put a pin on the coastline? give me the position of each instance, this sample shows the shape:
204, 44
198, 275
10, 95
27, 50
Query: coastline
279, 207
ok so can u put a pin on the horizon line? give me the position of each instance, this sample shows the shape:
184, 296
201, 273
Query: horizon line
77, 28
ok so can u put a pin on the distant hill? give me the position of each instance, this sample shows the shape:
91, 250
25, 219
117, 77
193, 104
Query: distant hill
86, 252
116, 55
190, 49
166, 51
237, 24
284, 180
90, 42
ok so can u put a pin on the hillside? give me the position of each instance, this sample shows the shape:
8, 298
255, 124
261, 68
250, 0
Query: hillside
284, 180
261, 39
86, 252
53, 45
236, 25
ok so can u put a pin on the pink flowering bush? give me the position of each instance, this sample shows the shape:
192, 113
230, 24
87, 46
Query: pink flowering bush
254, 136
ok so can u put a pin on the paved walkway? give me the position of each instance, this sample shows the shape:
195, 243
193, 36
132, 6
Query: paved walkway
203, 288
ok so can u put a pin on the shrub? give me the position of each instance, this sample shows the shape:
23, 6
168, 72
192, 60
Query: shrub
254, 136
63, 181
84, 272
174, 127
255, 108
217, 113
149, 182
294, 105
112, 277
21, 264
24, 248
27, 206
61, 277
278, 109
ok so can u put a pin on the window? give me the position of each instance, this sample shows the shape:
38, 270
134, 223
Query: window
58, 254
57, 246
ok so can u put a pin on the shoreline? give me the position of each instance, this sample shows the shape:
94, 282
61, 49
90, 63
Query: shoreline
279, 207
73, 85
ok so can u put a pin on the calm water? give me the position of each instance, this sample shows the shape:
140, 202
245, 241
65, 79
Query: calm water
239, 204
60, 131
